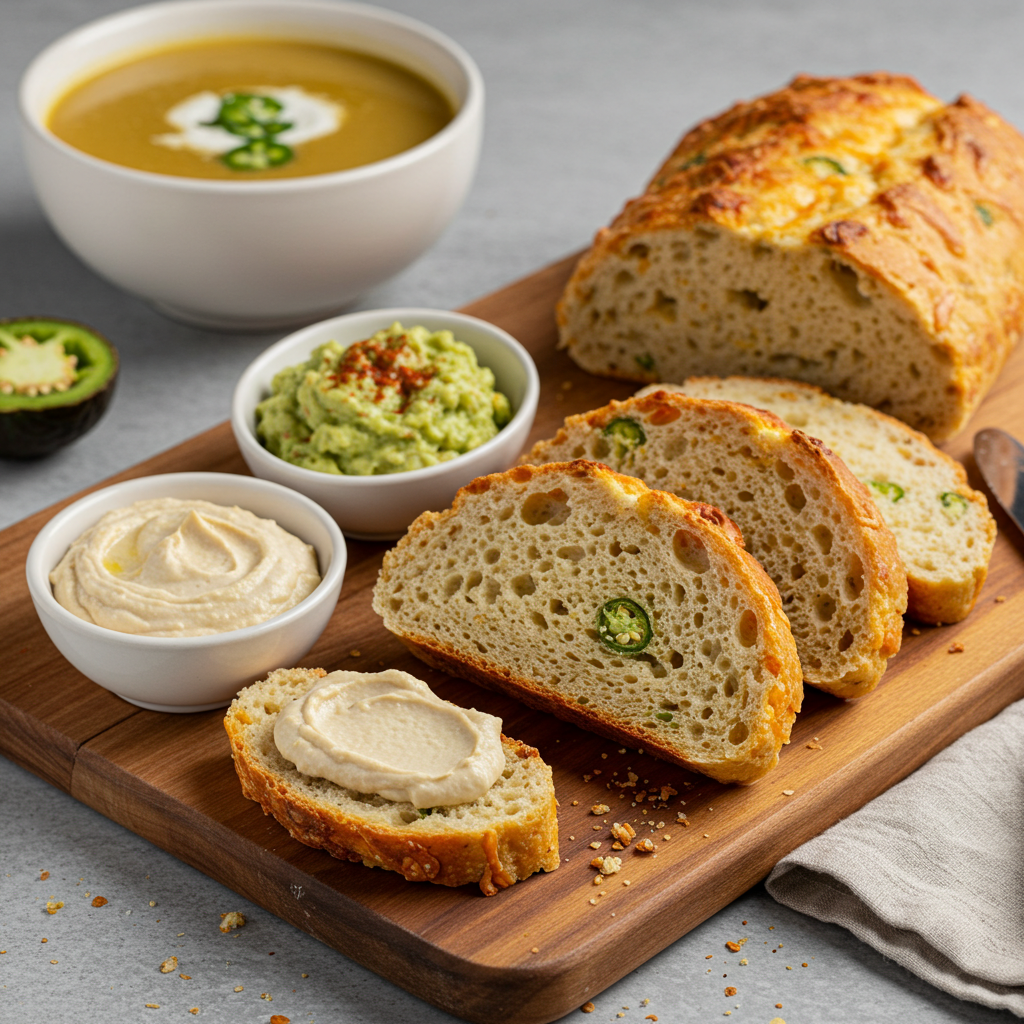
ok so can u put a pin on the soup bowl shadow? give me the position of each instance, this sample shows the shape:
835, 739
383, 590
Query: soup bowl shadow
252, 255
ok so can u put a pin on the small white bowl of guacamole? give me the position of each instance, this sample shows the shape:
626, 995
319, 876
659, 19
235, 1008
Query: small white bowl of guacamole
384, 414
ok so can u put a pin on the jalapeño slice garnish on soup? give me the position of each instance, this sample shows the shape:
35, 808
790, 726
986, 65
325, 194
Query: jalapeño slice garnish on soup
623, 626
256, 118
625, 434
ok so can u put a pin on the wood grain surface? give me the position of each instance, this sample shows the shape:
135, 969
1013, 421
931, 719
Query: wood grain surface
170, 777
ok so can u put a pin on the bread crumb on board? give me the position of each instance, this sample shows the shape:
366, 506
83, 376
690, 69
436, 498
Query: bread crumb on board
52, 906
234, 919
587, 1008
956, 647
44, 875
169, 965
99, 901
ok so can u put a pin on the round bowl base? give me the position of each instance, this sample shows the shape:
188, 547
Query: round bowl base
175, 708
244, 325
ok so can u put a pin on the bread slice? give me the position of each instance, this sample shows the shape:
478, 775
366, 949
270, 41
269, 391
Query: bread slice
508, 588
855, 233
804, 516
943, 528
503, 837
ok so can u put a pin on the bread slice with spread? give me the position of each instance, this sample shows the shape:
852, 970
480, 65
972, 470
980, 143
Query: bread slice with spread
804, 516
855, 233
624, 610
943, 528
500, 838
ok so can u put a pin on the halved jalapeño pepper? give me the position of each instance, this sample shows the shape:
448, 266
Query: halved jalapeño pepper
623, 626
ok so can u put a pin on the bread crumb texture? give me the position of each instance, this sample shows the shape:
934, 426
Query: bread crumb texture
234, 919
509, 833
944, 531
511, 588
804, 516
855, 233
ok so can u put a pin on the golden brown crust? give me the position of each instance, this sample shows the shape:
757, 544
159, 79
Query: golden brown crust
660, 510
937, 220
493, 858
770, 436
928, 600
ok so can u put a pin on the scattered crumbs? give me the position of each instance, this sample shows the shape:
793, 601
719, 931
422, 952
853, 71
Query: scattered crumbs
605, 756
788, 968
651, 1016
788, 792
956, 647
44, 875
644, 846
744, 922
234, 919
620, 1014
1000, 599
814, 746
596, 845
535, 949
731, 990
239, 988
185, 977
709, 956
194, 1011
665, 839
607, 865
597, 828
743, 962
43, 940
600, 809
180, 935
778, 1006
803, 965
706, 836
266, 995
54, 961
914, 631
734, 946
280, 1018
52, 906
771, 927
355, 654
152, 1006
587, 1008
152, 903
100, 901
305, 975
169, 965
622, 750
575, 803
593, 903
625, 881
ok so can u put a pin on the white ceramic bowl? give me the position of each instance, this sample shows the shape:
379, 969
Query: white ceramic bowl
251, 255
381, 507
188, 673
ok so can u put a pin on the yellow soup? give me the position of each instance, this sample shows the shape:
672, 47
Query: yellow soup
244, 109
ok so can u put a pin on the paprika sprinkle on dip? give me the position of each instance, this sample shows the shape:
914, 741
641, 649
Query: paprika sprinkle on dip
403, 399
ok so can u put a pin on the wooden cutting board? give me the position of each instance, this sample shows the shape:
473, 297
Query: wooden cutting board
547, 945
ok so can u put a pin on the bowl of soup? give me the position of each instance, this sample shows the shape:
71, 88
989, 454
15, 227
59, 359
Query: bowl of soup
251, 164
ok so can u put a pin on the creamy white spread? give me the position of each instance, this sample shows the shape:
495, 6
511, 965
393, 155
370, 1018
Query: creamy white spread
167, 567
388, 733
310, 117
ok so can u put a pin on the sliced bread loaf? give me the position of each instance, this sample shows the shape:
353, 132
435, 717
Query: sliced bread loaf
625, 610
942, 526
856, 233
804, 516
506, 835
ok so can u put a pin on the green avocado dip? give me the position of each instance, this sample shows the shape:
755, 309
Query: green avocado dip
403, 399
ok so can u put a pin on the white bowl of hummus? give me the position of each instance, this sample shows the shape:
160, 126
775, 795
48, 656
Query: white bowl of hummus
176, 591
395, 432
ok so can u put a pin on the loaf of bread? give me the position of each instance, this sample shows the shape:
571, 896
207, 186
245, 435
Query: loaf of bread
506, 835
854, 233
943, 527
624, 610
804, 516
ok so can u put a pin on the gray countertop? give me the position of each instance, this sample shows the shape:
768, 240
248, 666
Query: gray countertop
584, 99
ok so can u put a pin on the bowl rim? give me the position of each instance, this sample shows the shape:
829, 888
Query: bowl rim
469, 112
243, 425
38, 576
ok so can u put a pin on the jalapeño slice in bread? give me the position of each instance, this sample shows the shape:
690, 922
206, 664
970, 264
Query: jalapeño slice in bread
943, 528
624, 610
502, 837
804, 516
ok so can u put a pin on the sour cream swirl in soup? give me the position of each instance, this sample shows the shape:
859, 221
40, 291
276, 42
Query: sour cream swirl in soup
170, 567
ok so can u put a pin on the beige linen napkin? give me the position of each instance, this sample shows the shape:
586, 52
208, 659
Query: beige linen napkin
931, 873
